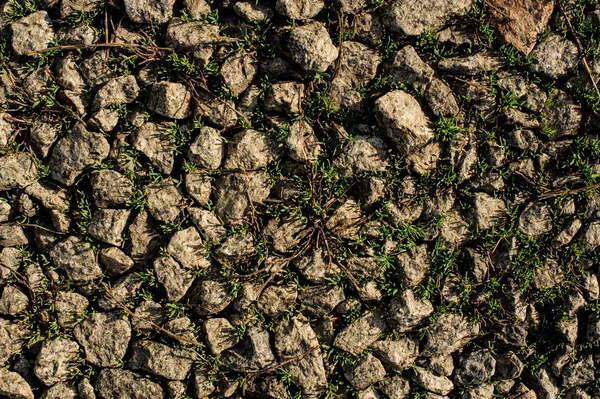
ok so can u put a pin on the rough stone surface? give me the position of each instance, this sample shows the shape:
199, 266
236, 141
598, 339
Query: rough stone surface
312, 48
104, 337
414, 17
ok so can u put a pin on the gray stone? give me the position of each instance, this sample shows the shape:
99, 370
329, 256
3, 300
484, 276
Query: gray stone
153, 141
315, 266
161, 360
208, 225
187, 248
104, 337
147, 317
414, 264
508, 366
198, 37
236, 247
535, 219
219, 335
121, 90
406, 311
75, 152
149, 11
56, 361
70, 307
124, 290
589, 236
107, 225
311, 47
414, 17
427, 380
234, 191
174, 279
358, 63
252, 12
216, 111
207, 149
198, 185
302, 143
285, 97
32, 33
16, 171
487, 212
399, 354
475, 368
319, 301
299, 9
197, 8
367, 371
12, 338
169, 99
115, 261
13, 386
110, 189
562, 116
295, 338
212, 297
275, 300
407, 67
441, 100
251, 150
578, 373
361, 333
13, 301
471, 64
360, 155
449, 333
403, 121
394, 387
119, 383
253, 353
164, 200
77, 259
554, 57
12, 236
238, 71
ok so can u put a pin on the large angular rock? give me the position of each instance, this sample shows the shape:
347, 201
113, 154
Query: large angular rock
295, 338
212, 297
170, 99
119, 384
475, 368
165, 200
174, 279
299, 9
107, 225
13, 301
320, 300
219, 335
398, 354
302, 143
104, 337
110, 189
77, 259
252, 354
407, 67
32, 33
520, 22
75, 152
487, 212
149, 11
589, 236
161, 360
312, 48
234, 191
367, 371
238, 72
13, 386
251, 150
144, 237
555, 57
361, 333
70, 308
535, 219
121, 90
434, 383
56, 361
187, 248
153, 141
207, 149
449, 333
362, 154
406, 311
198, 37
12, 338
403, 121
16, 171
562, 116
413, 17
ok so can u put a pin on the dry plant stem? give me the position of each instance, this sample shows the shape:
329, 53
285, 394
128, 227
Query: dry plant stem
579, 47
558, 193
98, 45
